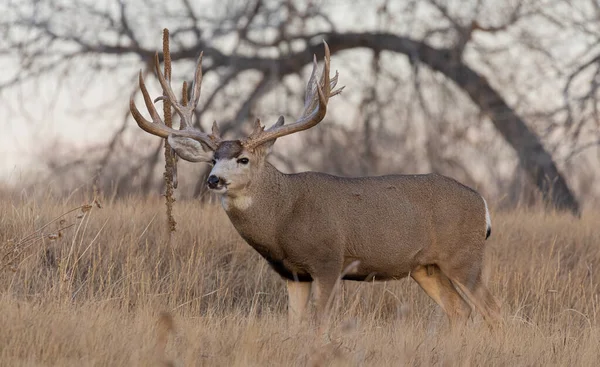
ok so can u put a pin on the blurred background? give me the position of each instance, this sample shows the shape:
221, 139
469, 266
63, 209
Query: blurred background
501, 95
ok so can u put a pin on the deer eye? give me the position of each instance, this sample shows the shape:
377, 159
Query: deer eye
213, 162
243, 160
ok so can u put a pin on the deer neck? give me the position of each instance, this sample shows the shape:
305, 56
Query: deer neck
265, 192
256, 211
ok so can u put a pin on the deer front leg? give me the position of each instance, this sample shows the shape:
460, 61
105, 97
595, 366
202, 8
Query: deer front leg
298, 296
324, 289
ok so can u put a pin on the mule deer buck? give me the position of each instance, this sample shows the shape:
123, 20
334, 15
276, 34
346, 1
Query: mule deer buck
310, 226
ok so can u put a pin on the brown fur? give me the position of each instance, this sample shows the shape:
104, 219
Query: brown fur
229, 149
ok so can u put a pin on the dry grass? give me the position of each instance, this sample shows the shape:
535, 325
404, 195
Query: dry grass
96, 295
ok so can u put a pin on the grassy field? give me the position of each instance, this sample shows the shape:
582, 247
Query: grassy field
108, 289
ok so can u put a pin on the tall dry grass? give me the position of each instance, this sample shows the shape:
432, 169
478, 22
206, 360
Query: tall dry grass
109, 290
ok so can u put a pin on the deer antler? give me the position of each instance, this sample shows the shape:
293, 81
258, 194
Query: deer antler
318, 92
186, 112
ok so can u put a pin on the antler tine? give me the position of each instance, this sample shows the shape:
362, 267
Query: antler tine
185, 112
215, 129
311, 89
148, 101
333, 83
157, 126
197, 83
318, 92
170, 95
325, 82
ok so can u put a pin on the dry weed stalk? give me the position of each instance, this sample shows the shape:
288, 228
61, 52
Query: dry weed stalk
170, 174
67, 266
12, 251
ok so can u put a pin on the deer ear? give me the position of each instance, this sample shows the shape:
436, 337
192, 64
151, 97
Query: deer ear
269, 144
189, 149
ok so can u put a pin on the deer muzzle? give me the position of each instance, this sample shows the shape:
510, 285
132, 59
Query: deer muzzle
213, 182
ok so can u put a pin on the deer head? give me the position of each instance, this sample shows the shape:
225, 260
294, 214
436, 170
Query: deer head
236, 163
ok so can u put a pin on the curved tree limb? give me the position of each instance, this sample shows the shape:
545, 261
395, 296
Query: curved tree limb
534, 158
532, 155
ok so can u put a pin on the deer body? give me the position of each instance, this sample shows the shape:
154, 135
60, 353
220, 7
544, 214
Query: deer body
314, 228
390, 224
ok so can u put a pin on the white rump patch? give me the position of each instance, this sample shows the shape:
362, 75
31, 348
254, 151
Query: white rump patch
488, 219
239, 203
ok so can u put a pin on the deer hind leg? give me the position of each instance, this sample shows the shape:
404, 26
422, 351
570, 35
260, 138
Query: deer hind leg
440, 289
298, 296
468, 280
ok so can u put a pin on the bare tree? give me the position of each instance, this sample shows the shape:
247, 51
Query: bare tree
417, 48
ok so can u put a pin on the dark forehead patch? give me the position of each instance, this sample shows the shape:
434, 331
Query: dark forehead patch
229, 149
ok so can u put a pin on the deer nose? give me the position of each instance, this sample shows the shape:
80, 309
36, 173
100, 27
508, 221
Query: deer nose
212, 181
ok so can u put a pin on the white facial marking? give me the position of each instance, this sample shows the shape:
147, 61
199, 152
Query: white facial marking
233, 176
238, 202
223, 169
225, 202
220, 190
